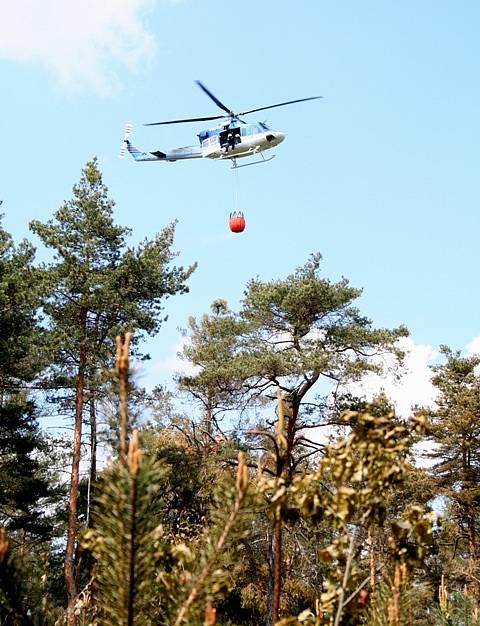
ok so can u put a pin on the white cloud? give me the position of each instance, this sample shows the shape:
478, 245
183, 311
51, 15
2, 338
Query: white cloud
76, 40
414, 386
173, 363
473, 347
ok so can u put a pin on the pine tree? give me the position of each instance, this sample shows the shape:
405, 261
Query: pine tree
211, 346
97, 287
455, 431
145, 573
23, 483
290, 335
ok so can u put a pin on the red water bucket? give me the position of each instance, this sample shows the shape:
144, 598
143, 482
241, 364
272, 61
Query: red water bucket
237, 222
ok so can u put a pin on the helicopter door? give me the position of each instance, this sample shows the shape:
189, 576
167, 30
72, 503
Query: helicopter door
229, 138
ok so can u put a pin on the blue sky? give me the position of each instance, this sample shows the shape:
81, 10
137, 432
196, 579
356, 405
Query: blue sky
380, 175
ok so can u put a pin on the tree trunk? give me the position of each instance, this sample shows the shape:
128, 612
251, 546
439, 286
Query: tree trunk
371, 556
91, 491
472, 552
276, 573
208, 415
122, 376
283, 463
288, 413
472, 544
93, 439
470, 511
69, 567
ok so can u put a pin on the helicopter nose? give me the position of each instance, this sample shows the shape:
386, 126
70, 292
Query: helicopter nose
276, 137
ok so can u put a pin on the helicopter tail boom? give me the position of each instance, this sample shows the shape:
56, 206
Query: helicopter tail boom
137, 154
174, 154
143, 156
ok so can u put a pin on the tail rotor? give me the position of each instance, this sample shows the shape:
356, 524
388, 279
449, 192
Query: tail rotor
128, 130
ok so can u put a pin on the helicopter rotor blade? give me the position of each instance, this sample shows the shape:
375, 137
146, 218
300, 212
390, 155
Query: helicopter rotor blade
191, 119
280, 104
214, 98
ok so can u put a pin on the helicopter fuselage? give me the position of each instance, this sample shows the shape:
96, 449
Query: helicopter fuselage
235, 140
226, 141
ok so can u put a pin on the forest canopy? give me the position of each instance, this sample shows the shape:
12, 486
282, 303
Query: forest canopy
253, 490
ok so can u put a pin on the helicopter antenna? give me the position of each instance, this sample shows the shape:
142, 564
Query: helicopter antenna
128, 130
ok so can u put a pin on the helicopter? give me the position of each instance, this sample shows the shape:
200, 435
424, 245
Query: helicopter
231, 139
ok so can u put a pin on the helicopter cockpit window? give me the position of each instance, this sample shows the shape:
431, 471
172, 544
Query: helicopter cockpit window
264, 126
250, 129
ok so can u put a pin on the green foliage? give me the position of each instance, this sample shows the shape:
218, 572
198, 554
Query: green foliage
348, 493
13, 598
211, 347
454, 428
24, 596
93, 270
457, 609
21, 336
96, 288
291, 332
415, 606
144, 573
306, 325
169, 533
23, 481
126, 543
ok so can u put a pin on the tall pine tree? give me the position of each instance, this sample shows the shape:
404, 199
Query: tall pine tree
290, 335
23, 484
455, 431
96, 288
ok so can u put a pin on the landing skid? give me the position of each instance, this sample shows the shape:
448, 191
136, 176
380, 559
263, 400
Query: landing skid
259, 162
